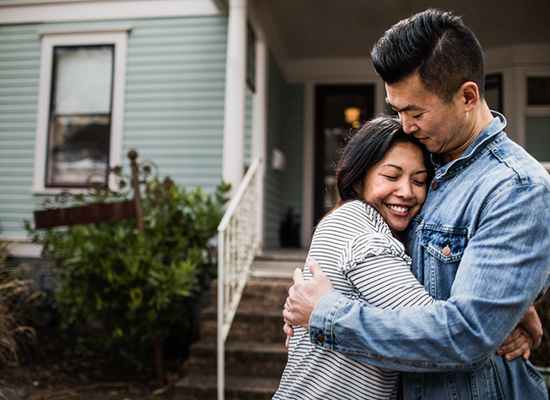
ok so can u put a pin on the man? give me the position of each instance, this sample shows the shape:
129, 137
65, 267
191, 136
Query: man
481, 242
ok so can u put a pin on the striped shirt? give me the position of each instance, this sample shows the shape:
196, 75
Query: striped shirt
364, 261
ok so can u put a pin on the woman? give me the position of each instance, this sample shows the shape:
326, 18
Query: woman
382, 181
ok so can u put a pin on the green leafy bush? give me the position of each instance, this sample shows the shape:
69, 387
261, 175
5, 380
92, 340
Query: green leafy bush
119, 290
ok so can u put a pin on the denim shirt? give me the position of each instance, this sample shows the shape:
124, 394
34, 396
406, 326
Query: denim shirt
482, 243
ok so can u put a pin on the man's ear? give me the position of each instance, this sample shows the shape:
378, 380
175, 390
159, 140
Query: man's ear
469, 95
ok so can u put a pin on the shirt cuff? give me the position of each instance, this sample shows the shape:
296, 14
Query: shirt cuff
320, 322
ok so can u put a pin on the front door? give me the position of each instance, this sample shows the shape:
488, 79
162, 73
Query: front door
338, 109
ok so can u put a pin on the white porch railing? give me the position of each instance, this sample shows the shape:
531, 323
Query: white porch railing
237, 245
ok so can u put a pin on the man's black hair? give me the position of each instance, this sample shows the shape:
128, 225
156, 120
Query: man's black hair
436, 45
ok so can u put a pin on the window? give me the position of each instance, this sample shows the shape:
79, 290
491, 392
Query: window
537, 118
80, 114
493, 92
81, 103
538, 91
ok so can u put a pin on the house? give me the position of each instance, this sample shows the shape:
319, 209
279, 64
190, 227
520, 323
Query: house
204, 86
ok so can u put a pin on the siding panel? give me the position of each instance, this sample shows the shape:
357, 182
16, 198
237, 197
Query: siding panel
174, 104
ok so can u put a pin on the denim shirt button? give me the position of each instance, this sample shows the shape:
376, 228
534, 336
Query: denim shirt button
446, 250
435, 185
320, 338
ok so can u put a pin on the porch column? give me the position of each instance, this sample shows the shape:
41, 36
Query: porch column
259, 126
235, 96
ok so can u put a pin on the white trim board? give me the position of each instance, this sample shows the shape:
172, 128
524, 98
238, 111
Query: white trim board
87, 10
118, 37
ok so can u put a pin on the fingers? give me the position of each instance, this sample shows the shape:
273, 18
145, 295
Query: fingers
518, 343
532, 324
519, 352
288, 330
298, 276
288, 318
526, 355
313, 266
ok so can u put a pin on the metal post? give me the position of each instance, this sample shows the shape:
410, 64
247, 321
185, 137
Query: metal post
132, 155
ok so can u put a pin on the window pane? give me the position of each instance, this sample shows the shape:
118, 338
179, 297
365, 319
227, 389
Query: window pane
80, 118
83, 80
79, 147
537, 135
538, 91
493, 92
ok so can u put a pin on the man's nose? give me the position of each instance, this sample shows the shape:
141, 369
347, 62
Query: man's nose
409, 125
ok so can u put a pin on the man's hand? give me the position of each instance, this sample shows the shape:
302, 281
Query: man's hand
525, 337
303, 296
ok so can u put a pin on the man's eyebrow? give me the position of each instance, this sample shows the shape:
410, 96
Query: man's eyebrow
408, 107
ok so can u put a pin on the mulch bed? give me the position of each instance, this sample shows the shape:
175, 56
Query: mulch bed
51, 369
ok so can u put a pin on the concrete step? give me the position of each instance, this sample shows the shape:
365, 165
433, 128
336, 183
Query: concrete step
278, 263
260, 294
203, 387
249, 324
264, 360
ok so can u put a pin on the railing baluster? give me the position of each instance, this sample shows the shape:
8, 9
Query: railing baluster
237, 246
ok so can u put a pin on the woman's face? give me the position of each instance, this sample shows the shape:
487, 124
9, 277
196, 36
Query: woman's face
396, 186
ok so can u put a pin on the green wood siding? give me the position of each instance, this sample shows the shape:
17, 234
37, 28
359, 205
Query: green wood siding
284, 132
174, 104
19, 75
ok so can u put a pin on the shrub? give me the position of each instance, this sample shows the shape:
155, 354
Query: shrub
120, 290
14, 332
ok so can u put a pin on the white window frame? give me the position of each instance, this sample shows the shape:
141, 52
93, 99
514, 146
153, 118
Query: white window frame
115, 36
534, 111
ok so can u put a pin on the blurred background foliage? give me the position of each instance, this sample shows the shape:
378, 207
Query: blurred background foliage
120, 291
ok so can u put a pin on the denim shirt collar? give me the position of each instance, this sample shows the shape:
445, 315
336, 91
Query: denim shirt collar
492, 133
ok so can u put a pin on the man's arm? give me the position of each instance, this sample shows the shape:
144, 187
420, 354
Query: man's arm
466, 329
304, 296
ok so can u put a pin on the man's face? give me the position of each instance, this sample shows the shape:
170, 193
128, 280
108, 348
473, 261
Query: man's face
441, 127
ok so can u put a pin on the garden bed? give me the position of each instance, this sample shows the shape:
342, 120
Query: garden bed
50, 369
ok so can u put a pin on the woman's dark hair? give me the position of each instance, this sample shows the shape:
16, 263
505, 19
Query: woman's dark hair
366, 148
435, 44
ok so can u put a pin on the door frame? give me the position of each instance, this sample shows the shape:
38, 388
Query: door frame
309, 144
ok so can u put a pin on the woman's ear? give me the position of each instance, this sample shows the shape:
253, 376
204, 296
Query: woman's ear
358, 187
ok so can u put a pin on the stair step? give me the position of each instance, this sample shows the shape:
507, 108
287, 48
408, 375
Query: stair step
275, 269
204, 387
267, 360
260, 293
249, 324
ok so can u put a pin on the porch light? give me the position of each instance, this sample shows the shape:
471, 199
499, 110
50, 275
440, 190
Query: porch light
352, 115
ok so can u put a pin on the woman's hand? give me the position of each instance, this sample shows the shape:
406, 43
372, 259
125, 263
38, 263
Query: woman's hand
525, 337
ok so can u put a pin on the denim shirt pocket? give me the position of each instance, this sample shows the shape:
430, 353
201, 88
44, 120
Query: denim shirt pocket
445, 243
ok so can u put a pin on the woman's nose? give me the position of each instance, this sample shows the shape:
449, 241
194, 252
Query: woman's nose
404, 190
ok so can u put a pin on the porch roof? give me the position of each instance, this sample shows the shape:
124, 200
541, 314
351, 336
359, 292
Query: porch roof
328, 29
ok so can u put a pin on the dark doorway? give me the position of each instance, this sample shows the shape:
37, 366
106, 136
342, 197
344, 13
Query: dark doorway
338, 109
